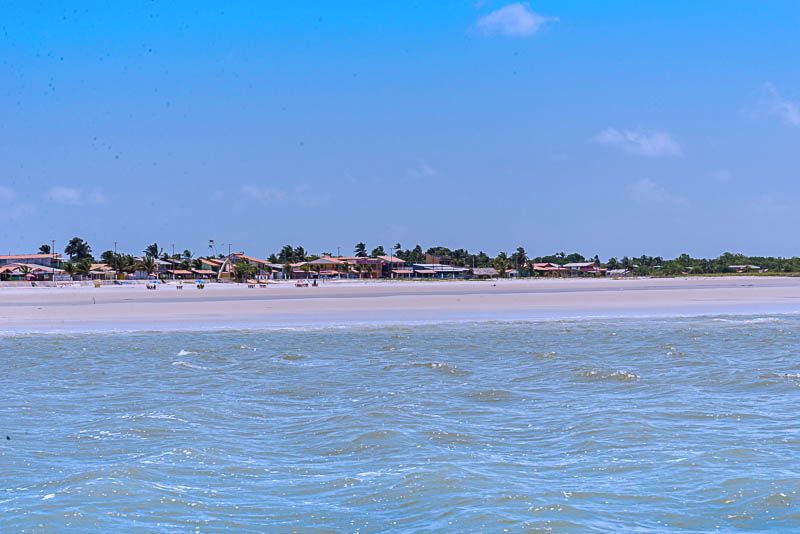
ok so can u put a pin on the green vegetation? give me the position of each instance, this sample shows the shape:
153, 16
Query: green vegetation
80, 260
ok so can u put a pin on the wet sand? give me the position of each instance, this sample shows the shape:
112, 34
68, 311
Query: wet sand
111, 308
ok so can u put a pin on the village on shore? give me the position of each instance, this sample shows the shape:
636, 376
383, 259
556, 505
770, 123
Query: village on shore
293, 263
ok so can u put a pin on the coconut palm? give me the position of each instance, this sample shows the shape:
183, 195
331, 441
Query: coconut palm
148, 264
77, 248
83, 267
69, 268
45, 249
152, 251
244, 270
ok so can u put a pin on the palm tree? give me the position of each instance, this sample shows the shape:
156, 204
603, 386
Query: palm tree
123, 264
69, 268
148, 264
361, 250
45, 249
500, 263
24, 271
286, 253
152, 251
77, 248
83, 267
243, 270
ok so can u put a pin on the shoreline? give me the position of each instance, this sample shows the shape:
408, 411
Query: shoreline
367, 303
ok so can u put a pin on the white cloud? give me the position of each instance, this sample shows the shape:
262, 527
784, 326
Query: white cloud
769, 203
515, 20
772, 104
10, 208
72, 196
7, 194
263, 194
63, 195
652, 144
647, 192
423, 170
722, 176
97, 197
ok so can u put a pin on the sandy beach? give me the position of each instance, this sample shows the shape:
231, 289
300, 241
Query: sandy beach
112, 308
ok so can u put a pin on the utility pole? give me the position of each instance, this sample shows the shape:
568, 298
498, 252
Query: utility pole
53, 261
173, 250
115, 248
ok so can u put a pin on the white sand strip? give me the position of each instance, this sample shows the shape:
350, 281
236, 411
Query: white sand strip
340, 303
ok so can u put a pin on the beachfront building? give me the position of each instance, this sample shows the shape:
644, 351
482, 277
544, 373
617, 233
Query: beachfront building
359, 267
393, 267
620, 273
180, 274
746, 268
438, 259
585, 268
102, 271
42, 260
328, 267
14, 272
438, 270
210, 264
266, 269
484, 272
549, 269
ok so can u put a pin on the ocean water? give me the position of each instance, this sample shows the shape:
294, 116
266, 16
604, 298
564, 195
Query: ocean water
667, 424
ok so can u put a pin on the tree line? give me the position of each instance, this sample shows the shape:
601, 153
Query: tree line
81, 258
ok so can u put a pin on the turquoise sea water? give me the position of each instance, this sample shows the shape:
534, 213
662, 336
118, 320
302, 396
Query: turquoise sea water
600, 424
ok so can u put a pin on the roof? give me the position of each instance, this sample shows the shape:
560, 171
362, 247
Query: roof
211, 261
484, 271
326, 260
391, 259
580, 264
250, 258
403, 271
425, 271
30, 256
547, 267
178, 271
438, 267
101, 267
32, 266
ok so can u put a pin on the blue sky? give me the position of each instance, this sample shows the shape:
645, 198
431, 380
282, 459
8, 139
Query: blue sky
603, 127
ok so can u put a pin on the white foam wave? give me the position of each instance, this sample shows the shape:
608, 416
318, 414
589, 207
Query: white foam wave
181, 363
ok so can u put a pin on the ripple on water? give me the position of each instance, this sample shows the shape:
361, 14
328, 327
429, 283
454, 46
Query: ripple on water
482, 427
618, 375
